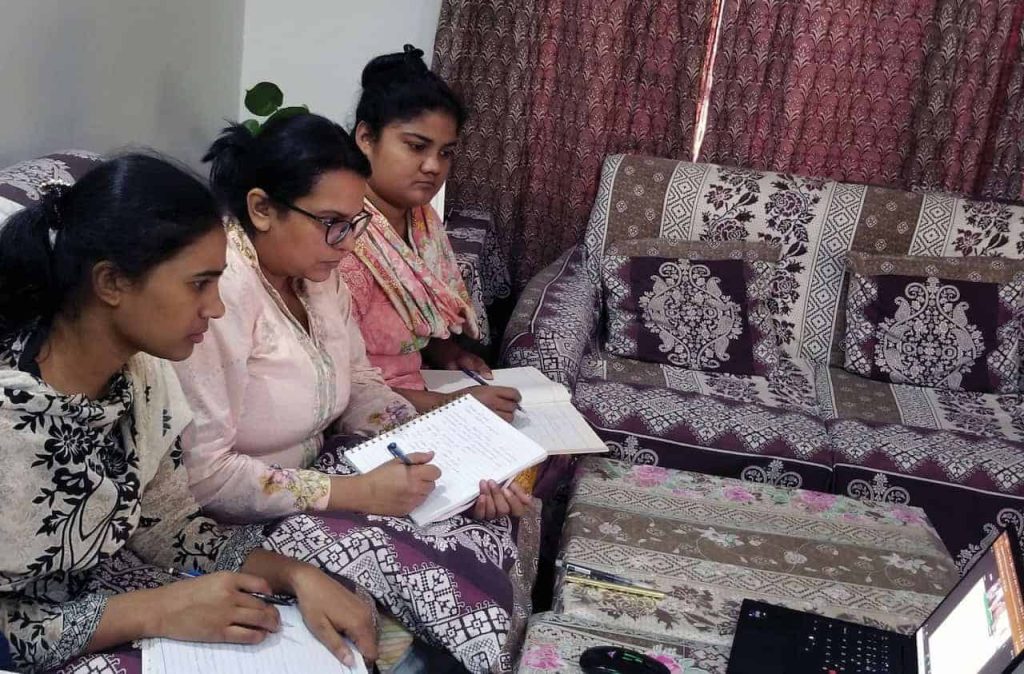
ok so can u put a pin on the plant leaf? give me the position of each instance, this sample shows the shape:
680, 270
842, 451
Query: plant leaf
252, 125
290, 111
263, 99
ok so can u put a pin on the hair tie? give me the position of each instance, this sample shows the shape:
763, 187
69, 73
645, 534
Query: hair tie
51, 193
412, 54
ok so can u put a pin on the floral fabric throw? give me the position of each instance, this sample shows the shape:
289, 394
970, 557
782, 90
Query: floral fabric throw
82, 482
420, 278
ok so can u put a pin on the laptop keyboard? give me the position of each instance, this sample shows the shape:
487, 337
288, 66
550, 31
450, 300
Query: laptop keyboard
850, 649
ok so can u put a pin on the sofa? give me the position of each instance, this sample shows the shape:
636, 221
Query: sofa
807, 422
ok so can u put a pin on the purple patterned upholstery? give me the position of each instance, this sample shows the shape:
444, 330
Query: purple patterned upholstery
796, 426
19, 183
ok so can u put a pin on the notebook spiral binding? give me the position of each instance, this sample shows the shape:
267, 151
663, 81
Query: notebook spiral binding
412, 422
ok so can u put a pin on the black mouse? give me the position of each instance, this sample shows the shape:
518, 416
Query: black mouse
616, 660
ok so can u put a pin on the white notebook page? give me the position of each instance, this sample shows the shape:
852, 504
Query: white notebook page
470, 444
293, 650
559, 428
529, 381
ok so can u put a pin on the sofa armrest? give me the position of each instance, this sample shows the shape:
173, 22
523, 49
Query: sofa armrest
481, 262
555, 319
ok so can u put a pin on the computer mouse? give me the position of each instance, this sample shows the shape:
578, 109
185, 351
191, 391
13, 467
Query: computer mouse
616, 660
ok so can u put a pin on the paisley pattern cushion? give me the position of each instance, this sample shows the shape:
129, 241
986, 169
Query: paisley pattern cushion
952, 323
694, 305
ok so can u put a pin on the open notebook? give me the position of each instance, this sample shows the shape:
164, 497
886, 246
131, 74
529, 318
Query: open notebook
293, 650
470, 444
550, 418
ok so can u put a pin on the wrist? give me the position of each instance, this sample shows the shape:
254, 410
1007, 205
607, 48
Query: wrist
147, 609
352, 493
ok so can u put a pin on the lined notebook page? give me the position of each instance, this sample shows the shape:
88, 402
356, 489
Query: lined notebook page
559, 428
293, 650
470, 444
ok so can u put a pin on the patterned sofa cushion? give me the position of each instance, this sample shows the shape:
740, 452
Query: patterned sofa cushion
790, 386
695, 305
708, 434
842, 395
950, 323
19, 182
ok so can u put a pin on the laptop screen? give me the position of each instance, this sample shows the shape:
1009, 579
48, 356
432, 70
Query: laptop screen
979, 627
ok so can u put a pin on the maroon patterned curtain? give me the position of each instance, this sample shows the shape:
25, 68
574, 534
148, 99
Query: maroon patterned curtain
1003, 176
553, 87
961, 94
818, 87
902, 93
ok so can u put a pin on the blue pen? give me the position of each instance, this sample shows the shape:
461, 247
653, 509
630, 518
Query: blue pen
475, 376
259, 595
398, 454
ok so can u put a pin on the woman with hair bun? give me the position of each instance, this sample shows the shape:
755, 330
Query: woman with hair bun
99, 282
408, 294
286, 369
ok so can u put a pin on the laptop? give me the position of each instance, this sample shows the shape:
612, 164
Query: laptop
977, 629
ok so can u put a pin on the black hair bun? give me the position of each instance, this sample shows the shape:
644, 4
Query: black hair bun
400, 66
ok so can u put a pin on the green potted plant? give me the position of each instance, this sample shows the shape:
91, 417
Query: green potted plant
266, 100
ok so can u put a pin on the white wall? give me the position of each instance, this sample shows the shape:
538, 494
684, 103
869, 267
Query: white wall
103, 74
315, 50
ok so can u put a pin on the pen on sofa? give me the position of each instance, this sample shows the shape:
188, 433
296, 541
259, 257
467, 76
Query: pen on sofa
475, 376
398, 453
598, 574
614, 587
259, 595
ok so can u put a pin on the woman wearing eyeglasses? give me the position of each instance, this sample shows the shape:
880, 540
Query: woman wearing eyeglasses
408, 294
287, 366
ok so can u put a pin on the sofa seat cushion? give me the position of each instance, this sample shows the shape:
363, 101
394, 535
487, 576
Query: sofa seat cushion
790, 385
708, 434
842, 395
967, 484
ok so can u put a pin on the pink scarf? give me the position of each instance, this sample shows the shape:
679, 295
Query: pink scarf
422, 281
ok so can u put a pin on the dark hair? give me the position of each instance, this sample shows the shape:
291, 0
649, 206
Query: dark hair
284, 158
134, 211
399, 87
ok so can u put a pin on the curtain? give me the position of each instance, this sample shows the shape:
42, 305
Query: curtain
1003, 177
902, 93
553, 87
818, 87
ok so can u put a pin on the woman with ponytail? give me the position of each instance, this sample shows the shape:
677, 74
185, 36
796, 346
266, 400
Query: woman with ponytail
408, 294
99, 282
286, 368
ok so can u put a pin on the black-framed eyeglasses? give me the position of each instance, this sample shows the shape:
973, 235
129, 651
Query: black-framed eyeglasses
337, 228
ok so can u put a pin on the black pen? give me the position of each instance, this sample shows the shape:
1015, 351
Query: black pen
475, 376
398, 454
270, 599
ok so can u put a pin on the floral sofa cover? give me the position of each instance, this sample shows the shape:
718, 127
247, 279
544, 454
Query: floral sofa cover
810, 423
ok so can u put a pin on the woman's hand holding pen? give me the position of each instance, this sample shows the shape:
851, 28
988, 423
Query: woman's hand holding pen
213, 608
502, 400
396, 488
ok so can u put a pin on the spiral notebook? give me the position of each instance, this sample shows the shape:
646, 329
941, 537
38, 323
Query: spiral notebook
548, 416
470, 444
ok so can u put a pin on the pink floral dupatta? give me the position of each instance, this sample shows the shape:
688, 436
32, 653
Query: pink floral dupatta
422, 281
